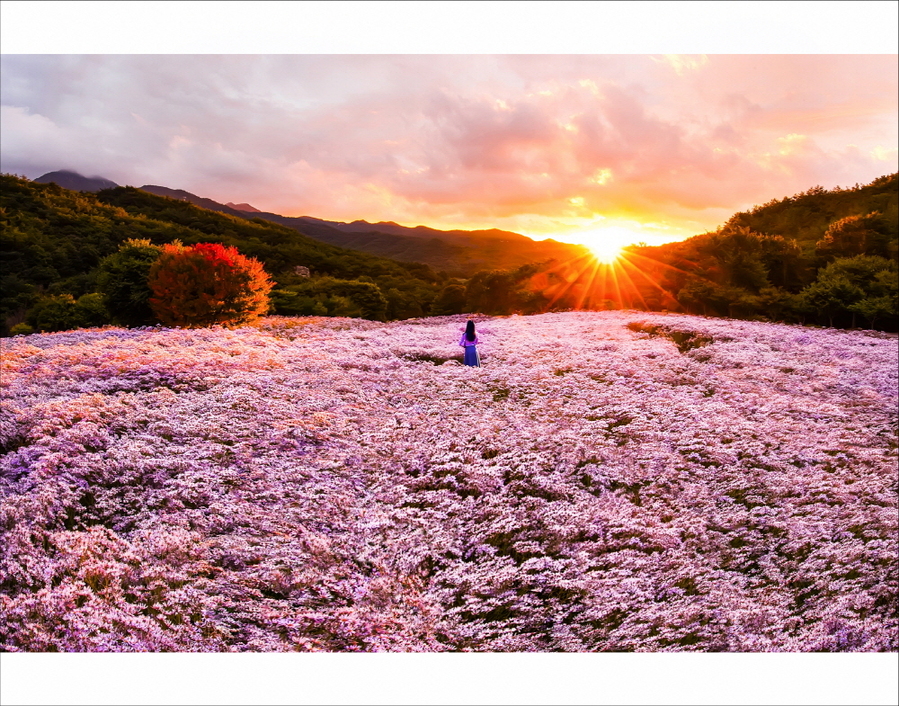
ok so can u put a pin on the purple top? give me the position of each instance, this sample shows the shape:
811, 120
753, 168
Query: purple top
465, 342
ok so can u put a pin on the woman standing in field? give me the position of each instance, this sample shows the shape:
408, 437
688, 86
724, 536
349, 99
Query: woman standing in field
469, 343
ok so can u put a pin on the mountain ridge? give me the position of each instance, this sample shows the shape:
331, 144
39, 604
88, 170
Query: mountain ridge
74, 181
458, 252
243, 207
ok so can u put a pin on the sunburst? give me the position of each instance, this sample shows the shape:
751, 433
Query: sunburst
606, 243
605, 252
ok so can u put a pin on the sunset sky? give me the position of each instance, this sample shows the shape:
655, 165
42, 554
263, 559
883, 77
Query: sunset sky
638, 147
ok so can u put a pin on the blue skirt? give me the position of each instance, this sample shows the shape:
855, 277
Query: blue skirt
471, 356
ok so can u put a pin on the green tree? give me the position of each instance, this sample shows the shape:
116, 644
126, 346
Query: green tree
289, 303
861, 270
739, 253
450, 300
784, 262
777, 304
878, 278
123, 280
54, 313
62, 312
867, 285
830, 296
16, 297
90, 310
874, 309
328, 296
854, 235
338, 305
490, 292
367, 297
702, 296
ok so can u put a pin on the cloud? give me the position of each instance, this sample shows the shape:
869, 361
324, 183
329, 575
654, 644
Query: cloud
682, 63
467, 141
29, 140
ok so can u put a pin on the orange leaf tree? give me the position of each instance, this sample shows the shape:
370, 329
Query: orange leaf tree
207, 284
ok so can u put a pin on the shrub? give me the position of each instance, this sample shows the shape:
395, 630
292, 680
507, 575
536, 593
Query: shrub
207, 284
90, 310
328, 296
450, 300
63, 312
55, 313
123, 282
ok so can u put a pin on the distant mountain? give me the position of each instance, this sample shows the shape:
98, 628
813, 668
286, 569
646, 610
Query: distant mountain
460, 252
418, 231
457, 252
75, 181
56, 238
243, 207
182, 195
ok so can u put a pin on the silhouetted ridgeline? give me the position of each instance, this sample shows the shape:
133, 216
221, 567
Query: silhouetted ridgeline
53, 241
457, 252
820, 257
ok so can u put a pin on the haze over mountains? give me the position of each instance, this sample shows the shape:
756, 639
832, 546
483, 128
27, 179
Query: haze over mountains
455, 251
75, 181
243, 207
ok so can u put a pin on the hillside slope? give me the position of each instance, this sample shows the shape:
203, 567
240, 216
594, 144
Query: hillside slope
457, 252
825, 257
807, 215
615, 481
54, 239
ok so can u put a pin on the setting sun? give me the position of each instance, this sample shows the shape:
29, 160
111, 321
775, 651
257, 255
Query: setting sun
606, 243
606, 253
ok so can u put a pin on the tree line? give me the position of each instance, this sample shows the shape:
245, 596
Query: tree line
66, 258
821, 257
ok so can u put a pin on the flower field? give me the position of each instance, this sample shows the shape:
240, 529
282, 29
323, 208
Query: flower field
615, 481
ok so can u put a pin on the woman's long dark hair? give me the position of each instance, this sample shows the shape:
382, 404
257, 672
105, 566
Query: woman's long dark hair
469, 331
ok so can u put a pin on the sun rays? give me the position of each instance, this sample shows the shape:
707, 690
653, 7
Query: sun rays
605, 253
607, 243
609, 277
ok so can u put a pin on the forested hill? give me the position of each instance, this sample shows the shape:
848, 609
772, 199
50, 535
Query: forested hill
806, 216
458, 252
53, 241
820, 257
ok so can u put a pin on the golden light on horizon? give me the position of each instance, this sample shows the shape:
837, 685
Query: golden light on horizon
612, 278
606, 243
606, 253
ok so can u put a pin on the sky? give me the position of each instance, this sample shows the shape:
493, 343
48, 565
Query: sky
581, 147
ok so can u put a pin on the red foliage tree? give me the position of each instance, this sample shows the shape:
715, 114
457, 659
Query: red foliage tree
207, 284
